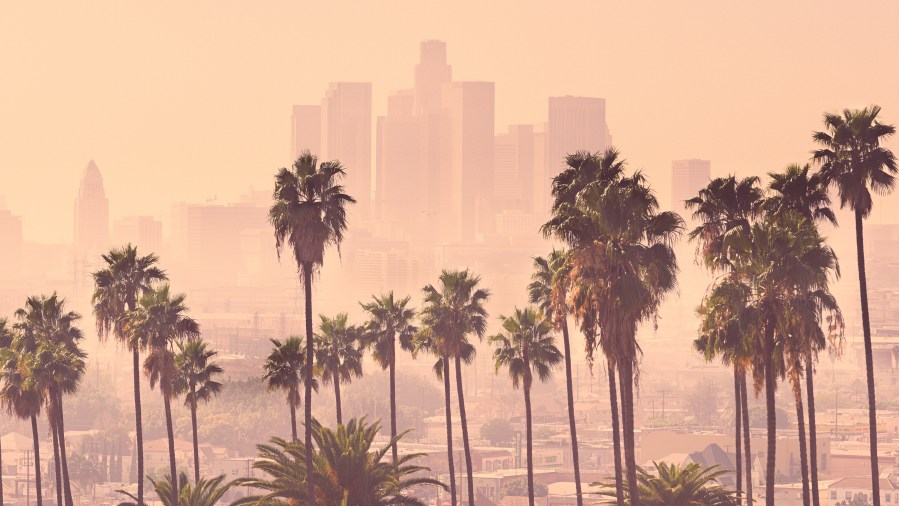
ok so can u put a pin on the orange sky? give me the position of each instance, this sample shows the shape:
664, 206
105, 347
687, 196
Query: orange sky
190, 100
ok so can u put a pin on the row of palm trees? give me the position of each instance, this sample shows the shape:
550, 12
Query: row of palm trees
41, 360
770, 311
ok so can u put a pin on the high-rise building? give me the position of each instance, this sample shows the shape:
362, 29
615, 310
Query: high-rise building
346, 136
400, 178
687, 178
431, 73
91, 213
306, 130
144, 232
466, 206
574, 124
514, 179
11, 252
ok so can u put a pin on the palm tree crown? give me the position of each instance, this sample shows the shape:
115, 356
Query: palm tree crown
391, 319
526, 347
119, 286
338, 354
196, 372
674, 485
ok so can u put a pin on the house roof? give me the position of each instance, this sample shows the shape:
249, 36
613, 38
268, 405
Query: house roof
862, 483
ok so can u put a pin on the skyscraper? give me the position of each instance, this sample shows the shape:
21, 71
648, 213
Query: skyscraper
514, 178
575, 124
687, 178
306, 130
399, 175
145, 232
431, 73
91, 213
466, 205
346, 136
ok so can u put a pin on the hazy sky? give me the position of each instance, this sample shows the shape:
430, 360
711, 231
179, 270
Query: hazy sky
191, 100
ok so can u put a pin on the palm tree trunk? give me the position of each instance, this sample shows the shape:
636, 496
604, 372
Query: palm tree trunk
310, 353
747, 446
626, 380
616, 436
337, 400
393, 400
464, 421
61, 427
738, 420
54, 433
37, 460
1, 473
293, 419
572, 426
138, 427
812, 430
193, 424
530, 441
869, 359
171, 433
449, 429
770, 385
803, 450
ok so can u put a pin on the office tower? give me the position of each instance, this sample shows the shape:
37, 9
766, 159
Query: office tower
399, 175
144, 232
575, 124
91, 213
542, 181
687, 178
466, 207
346, 136
11, 252
306, 130
513, 179
431, 73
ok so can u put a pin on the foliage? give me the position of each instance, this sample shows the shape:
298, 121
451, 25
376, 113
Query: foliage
347, 471
519, 488
206, 492
674, 485
498, 431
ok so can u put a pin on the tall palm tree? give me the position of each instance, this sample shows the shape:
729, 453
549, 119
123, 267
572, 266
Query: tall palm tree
583, 170
196, 380
22, 397
854, 161
549, 290
117, 288
796, 191
49, 335
624, 265
674, 485
390, 319
308, 214
338, 354
526, 348
727, 206
6, 338
160, 321
454, 311
284, 371
346, 470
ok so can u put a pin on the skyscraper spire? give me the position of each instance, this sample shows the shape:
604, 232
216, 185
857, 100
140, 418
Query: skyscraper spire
91, 213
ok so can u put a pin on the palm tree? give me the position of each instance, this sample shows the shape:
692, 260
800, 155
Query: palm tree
549, 290
727, 206
525, 347
674, 485
390, 320
203, 492
22, 397
117, 289
309, 214
347, 470
338, 355
159, 321
624, 265
584, 170
854, 161
196, 380
455, 311
284, 371
50, 337
796, 191
6, 339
